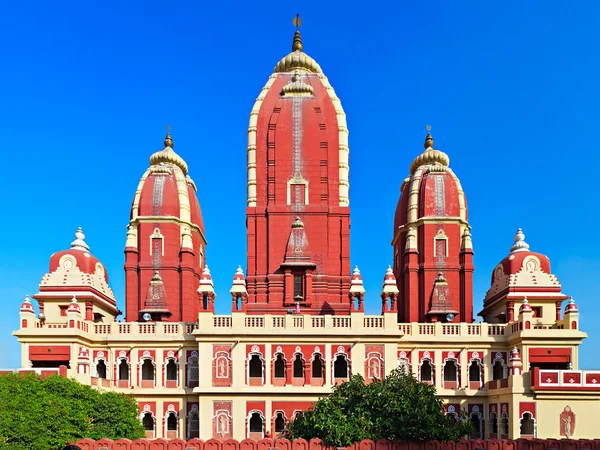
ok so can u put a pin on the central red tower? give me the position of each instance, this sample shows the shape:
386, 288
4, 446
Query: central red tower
298, 214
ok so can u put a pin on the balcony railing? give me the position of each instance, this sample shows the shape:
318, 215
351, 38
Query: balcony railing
583, 380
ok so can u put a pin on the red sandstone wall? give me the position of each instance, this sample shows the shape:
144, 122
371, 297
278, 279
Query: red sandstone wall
317, 444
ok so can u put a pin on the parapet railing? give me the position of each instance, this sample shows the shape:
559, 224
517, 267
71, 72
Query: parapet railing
343, 324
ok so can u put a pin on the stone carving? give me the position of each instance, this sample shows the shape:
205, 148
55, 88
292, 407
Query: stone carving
567, 423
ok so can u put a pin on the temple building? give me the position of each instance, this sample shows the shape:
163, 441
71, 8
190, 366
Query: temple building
297, 324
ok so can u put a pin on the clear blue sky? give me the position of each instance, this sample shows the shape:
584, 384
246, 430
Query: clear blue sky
510, 89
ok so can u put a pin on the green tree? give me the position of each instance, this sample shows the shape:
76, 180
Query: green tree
47, 413
398, 407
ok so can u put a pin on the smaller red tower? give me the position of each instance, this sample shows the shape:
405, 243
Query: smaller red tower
433, 254
164, 253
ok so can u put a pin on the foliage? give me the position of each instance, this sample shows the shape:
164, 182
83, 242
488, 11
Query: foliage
49, 412
398, 407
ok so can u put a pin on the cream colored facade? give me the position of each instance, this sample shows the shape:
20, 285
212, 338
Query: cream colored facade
356, 333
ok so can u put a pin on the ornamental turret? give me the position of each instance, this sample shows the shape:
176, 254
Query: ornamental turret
206, 291
523, 277
164, 250
389, 292
433, 252
298, 192
76, 271
238, 291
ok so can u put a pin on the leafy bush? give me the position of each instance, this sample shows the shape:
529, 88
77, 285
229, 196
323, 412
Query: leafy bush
398, 407
47, 413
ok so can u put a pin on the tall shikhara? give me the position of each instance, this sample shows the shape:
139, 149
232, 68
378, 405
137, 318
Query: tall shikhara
298, 214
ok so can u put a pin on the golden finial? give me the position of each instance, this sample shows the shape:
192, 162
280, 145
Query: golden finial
297, 44
168, 140
428, 138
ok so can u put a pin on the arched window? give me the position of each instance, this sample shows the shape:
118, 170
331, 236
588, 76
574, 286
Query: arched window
192, 369
148, 422
147, 370
498, 370
475, 372
171, 422
504, 424
279, 422
493, 423
123, 370
340, 366
452, 412
403, 366
426, 371
255, 367
171, 370
317, 366
101, 369
193, 423
279, 366
255, 423
298, 366
450, 371
527, 425
477, 425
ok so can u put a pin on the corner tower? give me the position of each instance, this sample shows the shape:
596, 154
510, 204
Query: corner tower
298, 214
433, 254
164, 252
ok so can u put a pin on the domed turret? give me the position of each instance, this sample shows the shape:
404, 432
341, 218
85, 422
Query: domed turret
522, 270
78, 271
389, 282
298, 167
27, 306
165, 234
74, 306
356, 283
431, 235
79, 259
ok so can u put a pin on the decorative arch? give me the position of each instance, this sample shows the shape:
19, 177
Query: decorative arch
374, 366
340, 360
222, 364
255, 367
451, 371
440, 244
476, 418
148, 421
193, 422
451, 411
476, 371
528, 424
299, 365
279, 421
278, 364
101, 357
171, 422
193, 371
317, 368
504, 422
255, 424
171, 370
427, 369
147, 370
157, 243
299, 181
222, 423
499, 367
122, 369
404, 363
